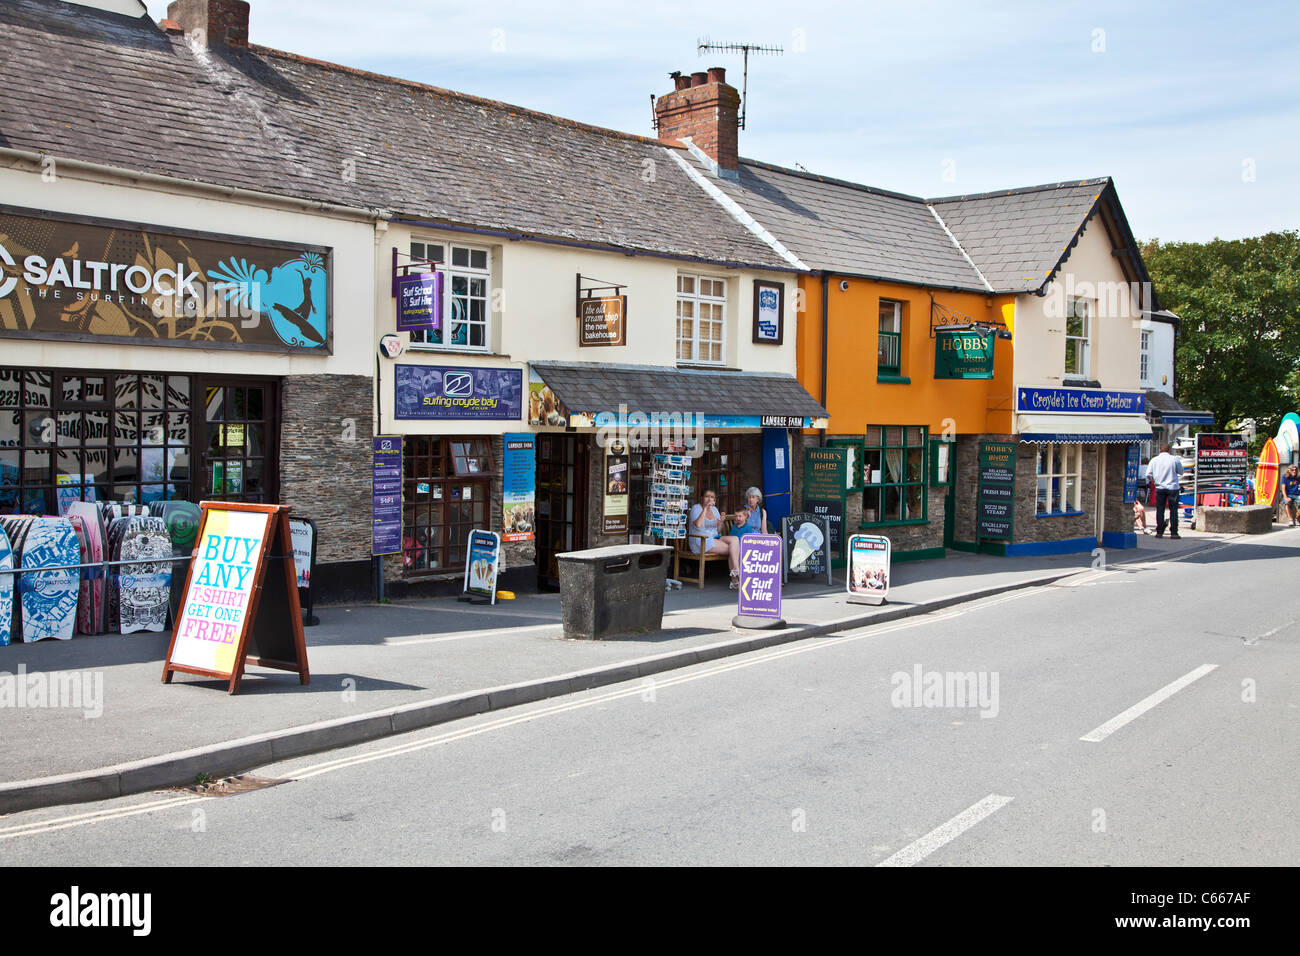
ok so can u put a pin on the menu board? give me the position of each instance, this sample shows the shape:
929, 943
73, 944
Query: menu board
1221, 458
386, 489
825, 491
996, 503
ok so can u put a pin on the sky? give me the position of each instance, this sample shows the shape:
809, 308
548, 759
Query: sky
1192, 108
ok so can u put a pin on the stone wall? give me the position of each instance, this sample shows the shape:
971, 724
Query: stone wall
325, 460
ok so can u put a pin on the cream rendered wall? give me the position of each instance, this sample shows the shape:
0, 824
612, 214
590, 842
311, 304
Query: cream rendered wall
533, 318
352, 281
1093, 273
1160, 362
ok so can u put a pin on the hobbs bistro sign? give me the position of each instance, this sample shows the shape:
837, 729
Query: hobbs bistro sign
92, 280
963, 354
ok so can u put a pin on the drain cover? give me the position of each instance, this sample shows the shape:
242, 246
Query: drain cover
230, 786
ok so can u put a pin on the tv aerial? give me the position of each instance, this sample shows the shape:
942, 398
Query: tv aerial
744, 49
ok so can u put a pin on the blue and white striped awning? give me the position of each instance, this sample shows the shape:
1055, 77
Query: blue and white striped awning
1084, 429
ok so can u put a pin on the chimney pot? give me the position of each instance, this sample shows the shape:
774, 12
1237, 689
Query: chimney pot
717, 74
708, 117
680, 81
699, 79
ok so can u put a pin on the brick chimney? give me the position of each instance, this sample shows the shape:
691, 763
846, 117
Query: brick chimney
215, 22
703, 108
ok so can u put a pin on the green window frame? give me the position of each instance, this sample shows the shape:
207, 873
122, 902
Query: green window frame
857, 448
889, 348
896, 475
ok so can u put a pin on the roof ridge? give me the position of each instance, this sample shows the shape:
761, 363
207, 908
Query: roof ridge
1019, 190
467, 97
804, 174
948, 232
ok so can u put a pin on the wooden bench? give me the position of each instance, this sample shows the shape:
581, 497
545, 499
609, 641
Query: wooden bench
682, 551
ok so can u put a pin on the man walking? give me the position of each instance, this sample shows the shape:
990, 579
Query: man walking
1163, 472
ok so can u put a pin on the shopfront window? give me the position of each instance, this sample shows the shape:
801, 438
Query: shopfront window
447, 492
894, 474
466, 292
1059, 470
719, 469
71, 435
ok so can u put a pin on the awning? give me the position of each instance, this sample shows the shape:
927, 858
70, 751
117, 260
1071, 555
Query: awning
591, 392
1166, 410
1088, 429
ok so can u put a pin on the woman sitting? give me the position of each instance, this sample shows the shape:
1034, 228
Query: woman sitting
705, 519
751, 519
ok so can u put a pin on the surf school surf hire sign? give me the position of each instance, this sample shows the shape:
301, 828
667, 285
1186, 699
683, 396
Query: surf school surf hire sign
92, 280
232, 605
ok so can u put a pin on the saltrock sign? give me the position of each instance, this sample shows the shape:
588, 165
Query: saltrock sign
90, 280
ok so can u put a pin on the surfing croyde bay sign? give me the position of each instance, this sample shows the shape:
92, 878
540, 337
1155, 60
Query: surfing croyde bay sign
99, 281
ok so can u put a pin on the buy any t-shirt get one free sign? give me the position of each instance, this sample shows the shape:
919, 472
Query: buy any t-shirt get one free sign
221, 588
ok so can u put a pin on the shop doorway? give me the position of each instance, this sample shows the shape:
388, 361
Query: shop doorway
238, 439
562, 470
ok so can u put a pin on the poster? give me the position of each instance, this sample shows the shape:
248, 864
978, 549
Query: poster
70, 490
222, 582
303, 533
1131, 475
759, 590
995, 507
386, 495
868, 578
482, 561
769, 308
616, 492
518, 484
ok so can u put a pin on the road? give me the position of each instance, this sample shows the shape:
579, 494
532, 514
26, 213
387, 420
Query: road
1141, 715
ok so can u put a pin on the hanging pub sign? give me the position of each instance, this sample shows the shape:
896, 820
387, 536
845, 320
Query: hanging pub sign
434, 392
825, 491
868, 579
241, 597
482, 562
769, 312
93, 280
616, 490
518, 486
419, 302
963, 354
996, 497
807, 543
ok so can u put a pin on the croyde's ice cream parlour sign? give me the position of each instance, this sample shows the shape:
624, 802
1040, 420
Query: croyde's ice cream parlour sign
1094, 401
93, 280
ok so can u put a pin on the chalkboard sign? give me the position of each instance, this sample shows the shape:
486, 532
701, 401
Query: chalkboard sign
807, 546
235, 613
997, 491
825, 491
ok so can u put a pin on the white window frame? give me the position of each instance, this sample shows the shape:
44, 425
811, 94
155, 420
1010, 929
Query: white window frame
1054, 488
1083, 350
450, 274
1144, 369
696, 299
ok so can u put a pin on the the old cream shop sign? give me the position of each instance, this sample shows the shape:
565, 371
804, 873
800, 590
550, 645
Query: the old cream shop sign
92, 280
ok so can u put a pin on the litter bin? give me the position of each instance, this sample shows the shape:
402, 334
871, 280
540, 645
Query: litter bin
608, 592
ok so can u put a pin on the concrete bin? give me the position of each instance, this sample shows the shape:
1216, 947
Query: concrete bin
609, 592
1250, 519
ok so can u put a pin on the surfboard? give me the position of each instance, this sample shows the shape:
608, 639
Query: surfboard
90, 602
1267, 476
49, 597
15, 527
144, 588
6, 588
182, 520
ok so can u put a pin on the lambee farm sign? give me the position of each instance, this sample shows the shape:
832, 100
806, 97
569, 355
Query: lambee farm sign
98, 281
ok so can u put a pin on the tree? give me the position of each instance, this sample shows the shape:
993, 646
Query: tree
1239, 340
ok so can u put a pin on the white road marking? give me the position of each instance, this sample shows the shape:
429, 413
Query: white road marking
1142, 706
461, 635
918, 850
96, 816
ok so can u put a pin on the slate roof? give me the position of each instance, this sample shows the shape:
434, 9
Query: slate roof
1018, 237
1166, 404
600, 386
86, 84
842, 227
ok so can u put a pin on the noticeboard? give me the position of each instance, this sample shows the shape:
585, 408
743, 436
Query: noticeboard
241, 597
995, 509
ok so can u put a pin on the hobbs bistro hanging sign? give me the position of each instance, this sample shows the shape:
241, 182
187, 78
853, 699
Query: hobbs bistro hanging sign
91, 280
963, 354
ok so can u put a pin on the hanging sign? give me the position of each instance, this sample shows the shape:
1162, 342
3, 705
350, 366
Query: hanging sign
602, 321
241, 597
963, 354
386, 495
759, 588
616, 493
825, 494
518, 486
419, 302
482, 561
868, 579
996, 501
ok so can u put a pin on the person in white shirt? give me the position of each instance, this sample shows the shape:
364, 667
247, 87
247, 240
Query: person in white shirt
1163, 472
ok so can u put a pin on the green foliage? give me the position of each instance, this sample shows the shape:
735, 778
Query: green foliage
1239, 341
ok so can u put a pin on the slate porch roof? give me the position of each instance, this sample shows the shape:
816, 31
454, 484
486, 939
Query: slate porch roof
601, 386
90, 85
1165, 405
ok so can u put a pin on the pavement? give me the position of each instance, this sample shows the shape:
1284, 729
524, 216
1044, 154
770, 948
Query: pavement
383, 669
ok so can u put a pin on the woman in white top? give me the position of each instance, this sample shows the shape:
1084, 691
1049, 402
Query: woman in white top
707, 520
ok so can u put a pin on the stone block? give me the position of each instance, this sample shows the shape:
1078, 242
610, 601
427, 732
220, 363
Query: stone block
1250, 519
